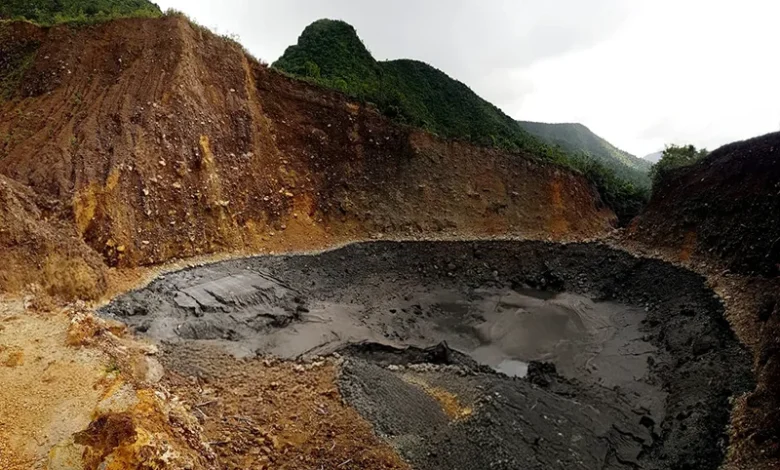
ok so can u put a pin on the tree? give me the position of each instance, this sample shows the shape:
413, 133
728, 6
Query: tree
674, 157
311, 69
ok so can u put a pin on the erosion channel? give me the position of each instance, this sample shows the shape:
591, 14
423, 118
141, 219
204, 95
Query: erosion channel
475, 355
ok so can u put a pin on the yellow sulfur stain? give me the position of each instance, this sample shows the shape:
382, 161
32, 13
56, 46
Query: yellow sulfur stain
558, 224
87, 200
448, 401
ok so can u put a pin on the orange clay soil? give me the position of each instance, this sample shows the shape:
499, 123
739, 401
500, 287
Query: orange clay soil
76, 395
48, 389
264, 414
139, 141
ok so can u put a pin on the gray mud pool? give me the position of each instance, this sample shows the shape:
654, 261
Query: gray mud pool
575, 356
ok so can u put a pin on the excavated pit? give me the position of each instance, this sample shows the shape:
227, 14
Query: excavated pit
491, 354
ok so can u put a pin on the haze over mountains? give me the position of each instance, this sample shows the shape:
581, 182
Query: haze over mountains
576, 138
654, 157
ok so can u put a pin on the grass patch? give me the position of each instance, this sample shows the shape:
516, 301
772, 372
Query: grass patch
113, 368
12, 76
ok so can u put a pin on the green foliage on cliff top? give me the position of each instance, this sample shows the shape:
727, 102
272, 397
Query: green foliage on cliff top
331, 54
674, 157
48, 12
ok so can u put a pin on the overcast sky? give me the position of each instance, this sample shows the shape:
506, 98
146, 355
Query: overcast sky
640, 73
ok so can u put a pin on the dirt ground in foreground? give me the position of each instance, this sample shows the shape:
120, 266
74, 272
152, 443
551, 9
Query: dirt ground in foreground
263, 414
49, 389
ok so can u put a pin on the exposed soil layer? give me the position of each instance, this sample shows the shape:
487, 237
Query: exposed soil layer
644, 387
146, 140
33, 419
263, 414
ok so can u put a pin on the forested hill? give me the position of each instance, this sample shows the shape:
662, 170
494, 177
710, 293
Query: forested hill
330, 53
575, 138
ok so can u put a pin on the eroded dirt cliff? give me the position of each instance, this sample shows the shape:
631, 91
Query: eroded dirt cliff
154, 139
727, 205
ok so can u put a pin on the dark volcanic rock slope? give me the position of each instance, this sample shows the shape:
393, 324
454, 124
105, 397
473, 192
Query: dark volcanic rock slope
724, 212
727, 205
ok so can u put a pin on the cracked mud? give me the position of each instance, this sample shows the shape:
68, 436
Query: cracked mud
472, 355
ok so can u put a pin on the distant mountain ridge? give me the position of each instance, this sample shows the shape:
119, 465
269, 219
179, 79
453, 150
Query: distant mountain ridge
575, 137
654, 158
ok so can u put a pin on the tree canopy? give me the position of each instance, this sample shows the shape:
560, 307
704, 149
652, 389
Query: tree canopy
330, 53
675, 156
47, 12
576, 138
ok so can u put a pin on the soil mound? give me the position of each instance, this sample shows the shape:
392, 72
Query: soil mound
727, 205
37, 250
645, 387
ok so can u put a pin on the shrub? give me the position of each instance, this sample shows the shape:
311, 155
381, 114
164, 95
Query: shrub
675, 157
622, 196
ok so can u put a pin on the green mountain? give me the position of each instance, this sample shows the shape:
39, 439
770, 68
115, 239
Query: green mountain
59, 11
575, 138
331, 54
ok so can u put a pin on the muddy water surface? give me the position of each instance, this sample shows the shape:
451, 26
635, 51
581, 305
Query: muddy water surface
644, 363
252, 312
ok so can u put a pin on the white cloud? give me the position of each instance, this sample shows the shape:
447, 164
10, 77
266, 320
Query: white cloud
641, 73
676, 72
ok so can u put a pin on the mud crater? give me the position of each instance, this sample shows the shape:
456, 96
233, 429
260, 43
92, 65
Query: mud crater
550, 355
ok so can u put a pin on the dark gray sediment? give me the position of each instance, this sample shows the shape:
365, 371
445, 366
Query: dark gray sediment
645, 361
